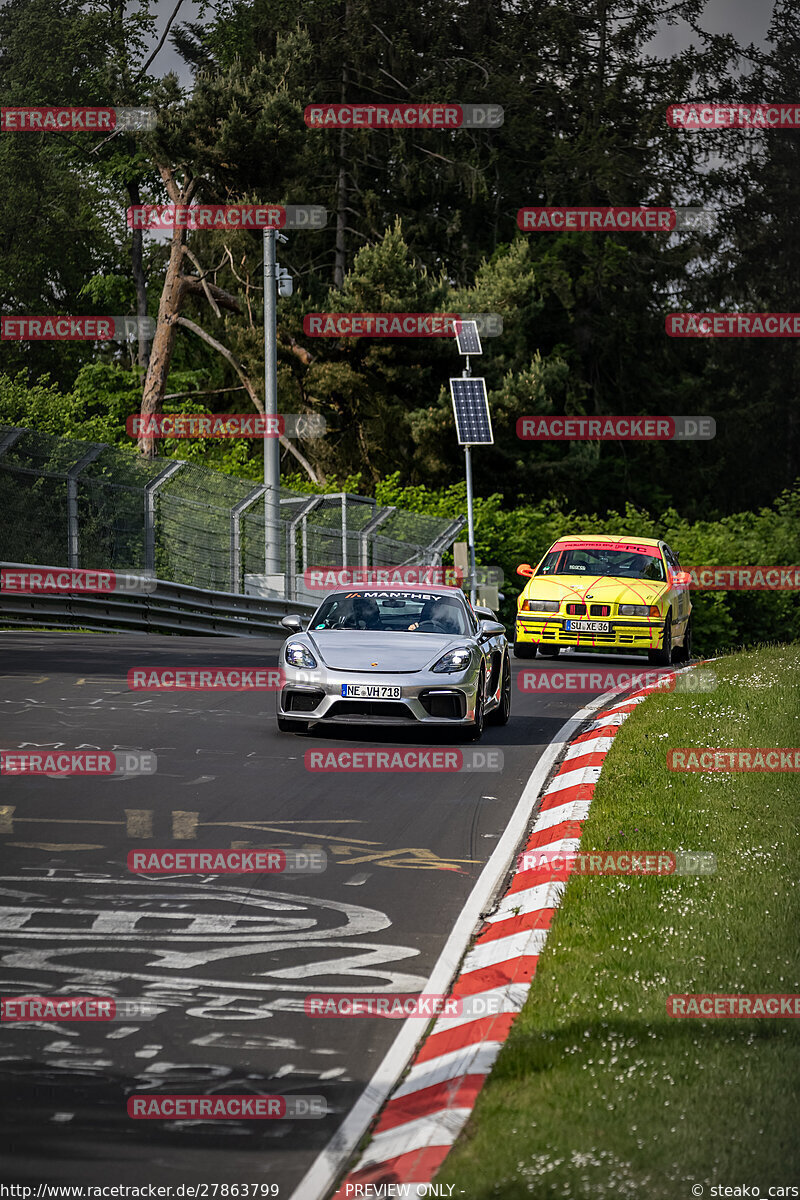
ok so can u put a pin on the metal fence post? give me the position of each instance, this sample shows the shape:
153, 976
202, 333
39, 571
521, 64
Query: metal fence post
344, 529
73, 551
436, 548
236, 541
291, 563
372, 524
150, 490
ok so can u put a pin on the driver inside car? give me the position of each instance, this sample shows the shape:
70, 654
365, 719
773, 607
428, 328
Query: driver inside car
445, 616
366, 612
426, 614
440, 613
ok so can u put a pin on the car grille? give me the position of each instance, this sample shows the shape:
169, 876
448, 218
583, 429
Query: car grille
370, 708
600, 610
452, 706
301, 701
576, 610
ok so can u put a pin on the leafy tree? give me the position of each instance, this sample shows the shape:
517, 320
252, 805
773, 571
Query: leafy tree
751, 385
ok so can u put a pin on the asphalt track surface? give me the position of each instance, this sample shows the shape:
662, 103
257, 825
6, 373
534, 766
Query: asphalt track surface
227, 960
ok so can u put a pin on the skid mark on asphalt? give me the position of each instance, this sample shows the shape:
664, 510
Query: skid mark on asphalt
58, 845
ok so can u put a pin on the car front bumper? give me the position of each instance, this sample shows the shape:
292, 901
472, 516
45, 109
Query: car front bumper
425, 698
628, 634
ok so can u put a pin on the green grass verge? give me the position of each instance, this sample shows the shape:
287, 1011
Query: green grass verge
597, 1092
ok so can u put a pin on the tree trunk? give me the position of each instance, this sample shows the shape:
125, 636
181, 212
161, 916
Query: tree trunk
169, 308
140, 283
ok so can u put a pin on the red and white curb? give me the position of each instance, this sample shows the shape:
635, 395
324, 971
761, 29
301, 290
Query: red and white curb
425, 1114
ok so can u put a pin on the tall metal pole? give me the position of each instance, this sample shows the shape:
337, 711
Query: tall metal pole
467, 372
470, 526
272, 456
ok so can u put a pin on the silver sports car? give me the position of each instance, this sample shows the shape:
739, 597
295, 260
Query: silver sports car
397, 656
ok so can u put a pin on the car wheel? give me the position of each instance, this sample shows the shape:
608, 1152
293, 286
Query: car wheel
524, 650
286, 725
500, 715
684, 653
549, 651
474, 732
663, 657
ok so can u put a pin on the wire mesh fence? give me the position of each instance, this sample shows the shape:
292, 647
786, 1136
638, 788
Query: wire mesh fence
86, 505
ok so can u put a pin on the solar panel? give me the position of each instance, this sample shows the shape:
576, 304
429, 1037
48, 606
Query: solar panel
471, 411
469, 341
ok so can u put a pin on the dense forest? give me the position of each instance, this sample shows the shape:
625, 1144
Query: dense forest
417, 221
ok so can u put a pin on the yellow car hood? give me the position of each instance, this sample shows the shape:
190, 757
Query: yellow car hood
602, 589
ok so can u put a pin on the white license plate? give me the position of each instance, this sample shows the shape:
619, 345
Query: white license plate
370, 691
587, 626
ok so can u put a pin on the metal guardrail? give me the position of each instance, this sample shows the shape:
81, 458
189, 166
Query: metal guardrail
170, 608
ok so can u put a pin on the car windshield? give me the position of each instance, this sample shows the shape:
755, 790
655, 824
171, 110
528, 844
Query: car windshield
628, 563
392, 612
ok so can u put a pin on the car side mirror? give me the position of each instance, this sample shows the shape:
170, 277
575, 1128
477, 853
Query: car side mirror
293, 623
490, 628
525, 569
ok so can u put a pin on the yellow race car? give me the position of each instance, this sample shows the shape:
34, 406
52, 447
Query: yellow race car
606, 593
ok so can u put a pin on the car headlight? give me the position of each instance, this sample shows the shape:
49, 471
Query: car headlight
454, 660
539, 606
639, 610
298, 655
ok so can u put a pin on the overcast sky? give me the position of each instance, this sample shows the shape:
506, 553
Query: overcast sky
747, 20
